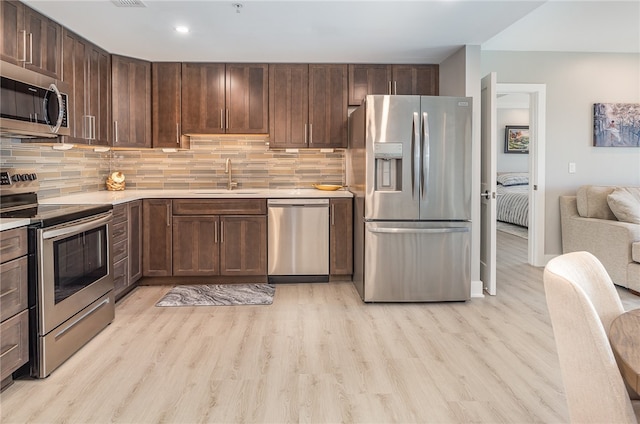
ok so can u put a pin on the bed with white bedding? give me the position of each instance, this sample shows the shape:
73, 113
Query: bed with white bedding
513, 198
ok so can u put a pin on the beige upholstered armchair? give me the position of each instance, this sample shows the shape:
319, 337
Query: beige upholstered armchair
582, 303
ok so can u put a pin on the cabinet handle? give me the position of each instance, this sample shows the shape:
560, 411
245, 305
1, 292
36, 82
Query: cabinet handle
310, 133
395, 87
221, 232
305, 133
93, 127
168, 214
8, 292
226, 123
30, 49
215, 232
8, 350
24, 46
221, 119
333, 214
115, 131
177, 133
86, 127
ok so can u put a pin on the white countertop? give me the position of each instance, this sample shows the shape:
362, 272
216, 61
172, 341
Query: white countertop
117, 197
10, 223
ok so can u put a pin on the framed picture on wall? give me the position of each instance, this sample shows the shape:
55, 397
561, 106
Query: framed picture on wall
516, 139
616, 125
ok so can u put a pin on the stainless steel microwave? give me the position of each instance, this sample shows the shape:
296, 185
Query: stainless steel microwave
32, 105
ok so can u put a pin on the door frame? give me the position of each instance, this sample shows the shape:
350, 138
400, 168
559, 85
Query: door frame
537, 150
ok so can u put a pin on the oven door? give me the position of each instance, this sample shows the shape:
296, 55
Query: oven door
75, 268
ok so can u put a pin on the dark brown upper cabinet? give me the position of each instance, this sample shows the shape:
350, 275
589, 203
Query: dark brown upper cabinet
131, 101
224, 99
308, 105
87, 72
30, 39
166, 105
367, 79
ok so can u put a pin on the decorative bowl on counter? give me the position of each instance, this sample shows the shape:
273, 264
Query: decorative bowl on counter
327, 187
115, 182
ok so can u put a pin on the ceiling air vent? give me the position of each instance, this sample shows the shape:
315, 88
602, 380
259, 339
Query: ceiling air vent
129, 3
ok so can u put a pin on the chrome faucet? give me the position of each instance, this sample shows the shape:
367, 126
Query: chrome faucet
227, 170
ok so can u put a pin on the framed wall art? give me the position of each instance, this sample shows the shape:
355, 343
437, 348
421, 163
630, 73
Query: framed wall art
616, 124
516, 139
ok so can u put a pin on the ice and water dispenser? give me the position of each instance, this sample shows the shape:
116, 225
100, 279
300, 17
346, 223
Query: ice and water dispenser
388, 166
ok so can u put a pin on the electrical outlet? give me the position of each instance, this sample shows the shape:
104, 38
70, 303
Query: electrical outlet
572, 167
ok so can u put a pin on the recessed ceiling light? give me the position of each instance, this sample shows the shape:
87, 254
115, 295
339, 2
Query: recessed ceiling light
182, 29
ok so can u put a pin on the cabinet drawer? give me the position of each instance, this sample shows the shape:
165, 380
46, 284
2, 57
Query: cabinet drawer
13, 244
220, 207
120, 251
120, 232
120, 274
120, 213
13, 287
14, 343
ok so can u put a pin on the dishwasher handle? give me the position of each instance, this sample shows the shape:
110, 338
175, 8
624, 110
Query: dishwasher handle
298, 203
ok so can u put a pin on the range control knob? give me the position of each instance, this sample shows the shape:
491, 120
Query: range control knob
34, 176
15, 178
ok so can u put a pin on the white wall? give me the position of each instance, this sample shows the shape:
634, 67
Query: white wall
517, 162
574, 82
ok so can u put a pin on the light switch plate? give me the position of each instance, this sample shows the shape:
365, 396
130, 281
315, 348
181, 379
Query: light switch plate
572, 167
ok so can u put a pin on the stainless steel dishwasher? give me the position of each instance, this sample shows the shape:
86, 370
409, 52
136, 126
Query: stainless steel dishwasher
298, 248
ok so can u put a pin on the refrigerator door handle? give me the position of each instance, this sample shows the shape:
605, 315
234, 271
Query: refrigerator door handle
415, 155
419, 230
425, 153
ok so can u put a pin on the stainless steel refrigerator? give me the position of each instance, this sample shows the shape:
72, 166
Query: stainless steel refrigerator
409, 167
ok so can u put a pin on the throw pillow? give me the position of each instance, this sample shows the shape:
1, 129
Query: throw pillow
625, 204
513, 178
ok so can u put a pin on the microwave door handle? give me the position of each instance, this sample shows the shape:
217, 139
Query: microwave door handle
56, 127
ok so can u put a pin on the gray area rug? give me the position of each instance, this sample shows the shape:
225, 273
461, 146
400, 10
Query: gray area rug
512, 229
219, 295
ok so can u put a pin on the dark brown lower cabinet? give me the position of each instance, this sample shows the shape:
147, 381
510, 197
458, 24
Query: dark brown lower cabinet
243, 245
205, 237
157, 238
127, 243
341, 237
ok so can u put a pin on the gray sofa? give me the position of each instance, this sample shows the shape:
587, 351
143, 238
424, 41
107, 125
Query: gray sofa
605, 221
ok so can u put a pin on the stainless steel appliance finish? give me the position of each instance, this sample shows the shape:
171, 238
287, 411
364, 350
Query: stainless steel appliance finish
33, 105
409, 167
298, 240
70, 270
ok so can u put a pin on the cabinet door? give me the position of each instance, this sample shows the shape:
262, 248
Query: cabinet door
203, 98
288, 105
368, 79
166, 104
135, 241
44, 43
328, 106
13, 41
131, 101
243, 245
341, 237
247, 99
98, 65
74, 75
195, 245
421, 80
157, 238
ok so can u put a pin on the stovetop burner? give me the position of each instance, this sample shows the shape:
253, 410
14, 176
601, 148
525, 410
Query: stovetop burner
18, 199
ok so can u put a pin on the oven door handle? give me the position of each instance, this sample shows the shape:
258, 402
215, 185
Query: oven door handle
89, 225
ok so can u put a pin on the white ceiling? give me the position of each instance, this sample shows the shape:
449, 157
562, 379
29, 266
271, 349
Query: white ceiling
419, 31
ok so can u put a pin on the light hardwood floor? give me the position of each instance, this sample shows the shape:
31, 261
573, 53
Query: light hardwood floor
318, 354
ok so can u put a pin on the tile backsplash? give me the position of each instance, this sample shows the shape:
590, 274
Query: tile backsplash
201, 167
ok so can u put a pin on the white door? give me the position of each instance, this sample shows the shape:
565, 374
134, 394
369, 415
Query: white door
488, 184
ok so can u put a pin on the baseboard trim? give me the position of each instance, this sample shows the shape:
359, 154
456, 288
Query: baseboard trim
477, 289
